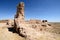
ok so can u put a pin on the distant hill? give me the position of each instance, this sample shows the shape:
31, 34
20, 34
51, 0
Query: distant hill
3, 21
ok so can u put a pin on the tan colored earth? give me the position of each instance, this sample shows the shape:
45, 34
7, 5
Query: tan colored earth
21, 29
7, 35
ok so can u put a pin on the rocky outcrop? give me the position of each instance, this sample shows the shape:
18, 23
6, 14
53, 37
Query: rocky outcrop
20, 11
30, 30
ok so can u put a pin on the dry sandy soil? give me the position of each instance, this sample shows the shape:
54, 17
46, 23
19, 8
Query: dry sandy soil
6, 34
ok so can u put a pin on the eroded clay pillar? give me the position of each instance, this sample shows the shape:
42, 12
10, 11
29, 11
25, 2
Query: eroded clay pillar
20, 11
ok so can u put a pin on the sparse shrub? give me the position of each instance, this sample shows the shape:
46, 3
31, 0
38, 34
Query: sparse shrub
49, 24
44, 25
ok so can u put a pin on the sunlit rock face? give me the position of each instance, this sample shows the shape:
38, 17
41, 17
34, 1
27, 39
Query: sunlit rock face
20, 11
29, 29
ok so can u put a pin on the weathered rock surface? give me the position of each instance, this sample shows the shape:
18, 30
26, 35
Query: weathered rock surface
10, 23
30, 30
31, 34
7, 35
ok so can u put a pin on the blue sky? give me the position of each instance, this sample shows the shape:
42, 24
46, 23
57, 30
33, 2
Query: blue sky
34, 9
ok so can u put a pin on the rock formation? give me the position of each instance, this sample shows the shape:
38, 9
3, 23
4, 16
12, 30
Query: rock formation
20, 11
30, 30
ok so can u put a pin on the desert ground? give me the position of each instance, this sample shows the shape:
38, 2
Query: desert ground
21, 29
8, 34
